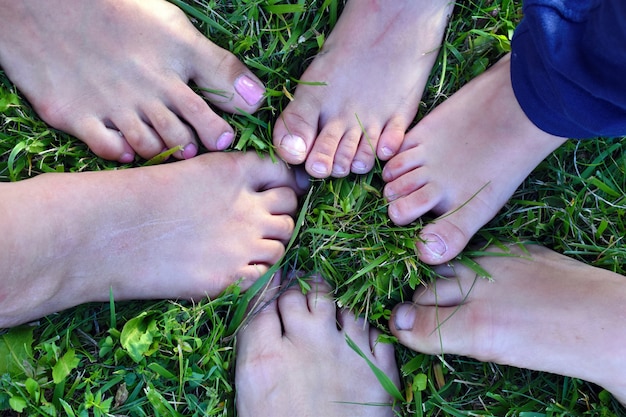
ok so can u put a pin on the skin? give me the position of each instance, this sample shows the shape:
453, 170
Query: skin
293, 359
538, 303
374, 66
115, 75
186, 230
462, 166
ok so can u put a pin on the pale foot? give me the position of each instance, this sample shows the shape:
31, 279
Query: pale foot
543, 311
374, 67
463, 161
114, 74
292, 360
186, 229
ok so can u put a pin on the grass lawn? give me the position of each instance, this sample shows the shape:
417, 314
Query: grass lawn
172, 358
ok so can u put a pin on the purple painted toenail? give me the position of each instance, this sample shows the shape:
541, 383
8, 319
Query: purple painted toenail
294, 145
249, 90
190, 151
404, 317
435, 245
126, 158
224, 140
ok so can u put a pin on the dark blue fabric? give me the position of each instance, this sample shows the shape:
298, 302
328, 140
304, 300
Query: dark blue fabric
568, 66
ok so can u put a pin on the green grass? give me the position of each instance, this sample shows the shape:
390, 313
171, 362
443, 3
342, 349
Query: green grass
168, 358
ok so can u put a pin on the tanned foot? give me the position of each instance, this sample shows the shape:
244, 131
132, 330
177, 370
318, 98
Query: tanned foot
293, 360
187, 229
374, 67
543, 311
114, 74
463, 161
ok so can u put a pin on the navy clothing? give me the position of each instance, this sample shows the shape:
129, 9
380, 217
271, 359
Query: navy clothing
568, 66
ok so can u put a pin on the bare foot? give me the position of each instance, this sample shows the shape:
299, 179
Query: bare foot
182, 230
375, 65
463, 161
543, 311
114, 74
293, 361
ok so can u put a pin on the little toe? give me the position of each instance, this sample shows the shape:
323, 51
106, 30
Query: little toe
105, 142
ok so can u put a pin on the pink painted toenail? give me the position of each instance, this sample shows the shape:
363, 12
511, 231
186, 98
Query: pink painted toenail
190, 151
404, 317
126, 158
224, 140
249, 90
294, 145
435, 245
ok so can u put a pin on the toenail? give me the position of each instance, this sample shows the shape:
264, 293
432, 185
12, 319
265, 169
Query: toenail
190, 151
337, 170
319, 168
249, 90
294, 145
224, 140
359, 167
386, 151
404, 317
435, 245
126, 158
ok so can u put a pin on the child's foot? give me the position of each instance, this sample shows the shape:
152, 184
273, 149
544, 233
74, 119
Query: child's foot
463, 162
542, 311
115, 73
292, 360
186, 229
375, 65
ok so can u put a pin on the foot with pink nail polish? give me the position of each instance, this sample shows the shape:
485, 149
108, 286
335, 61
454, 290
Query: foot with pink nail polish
373, 68
115, 75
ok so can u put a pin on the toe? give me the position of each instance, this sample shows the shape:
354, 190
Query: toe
172, 131
105, 142
391, 139
295, 130
405, 209
213, 131
225, 81
141, 137
322, 156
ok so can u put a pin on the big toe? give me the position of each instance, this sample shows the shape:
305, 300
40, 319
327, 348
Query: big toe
295, 130
225, 81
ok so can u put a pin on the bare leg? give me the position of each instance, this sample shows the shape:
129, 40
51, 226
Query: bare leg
182, 230
543, 311
375, 65
293, 361
114, 74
